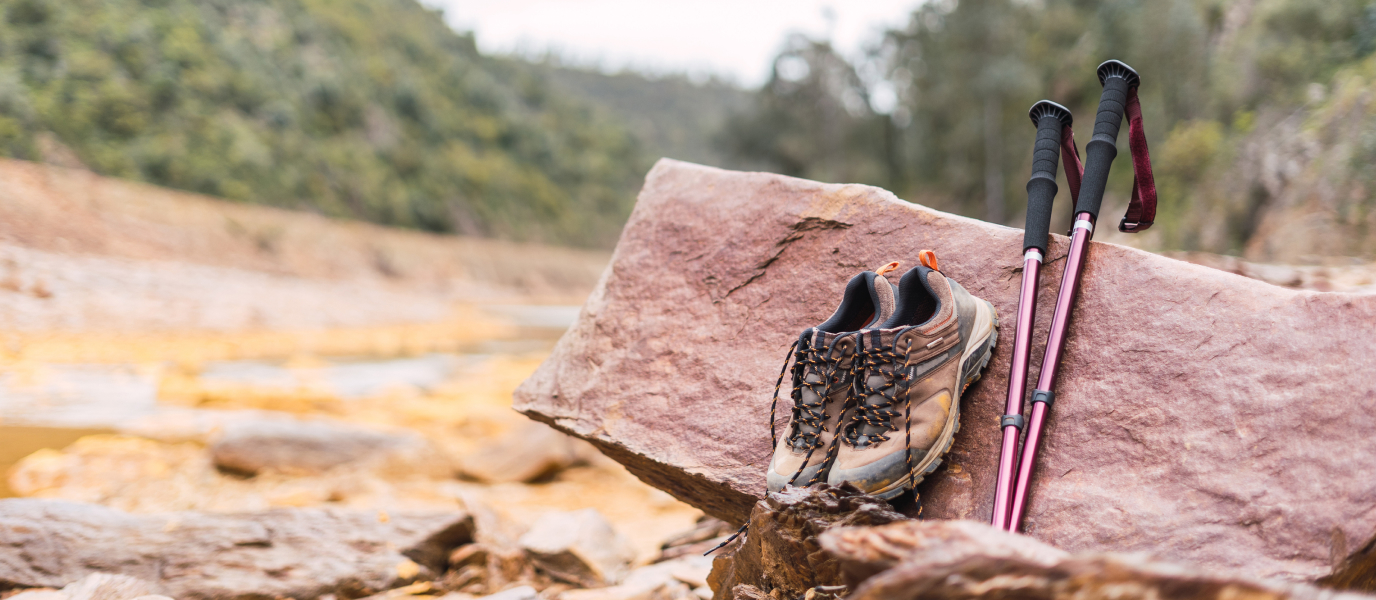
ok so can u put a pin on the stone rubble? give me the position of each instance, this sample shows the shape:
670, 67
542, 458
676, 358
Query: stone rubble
709, 533
579, 548
781, 553
524, 592
834, 543
678, 579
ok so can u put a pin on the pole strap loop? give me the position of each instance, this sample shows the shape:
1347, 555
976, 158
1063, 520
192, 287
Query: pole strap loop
1074, 167
1141, 211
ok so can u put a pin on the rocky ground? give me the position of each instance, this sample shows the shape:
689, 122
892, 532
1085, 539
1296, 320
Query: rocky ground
202, 400
244, 402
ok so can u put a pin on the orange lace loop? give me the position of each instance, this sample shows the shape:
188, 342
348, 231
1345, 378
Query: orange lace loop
928, 259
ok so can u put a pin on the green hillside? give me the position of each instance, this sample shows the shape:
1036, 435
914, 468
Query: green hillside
370, 109
1255, 112
669, 115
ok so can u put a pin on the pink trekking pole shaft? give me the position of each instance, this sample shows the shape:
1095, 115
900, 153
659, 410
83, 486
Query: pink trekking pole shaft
1118, 79
1050, 119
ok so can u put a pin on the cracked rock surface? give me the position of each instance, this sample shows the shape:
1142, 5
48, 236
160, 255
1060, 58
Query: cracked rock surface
286, 553
963, 559
781, 555
1204, 417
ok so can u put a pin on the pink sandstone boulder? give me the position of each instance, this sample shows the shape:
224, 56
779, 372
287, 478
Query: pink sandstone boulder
1202, 417
955, 560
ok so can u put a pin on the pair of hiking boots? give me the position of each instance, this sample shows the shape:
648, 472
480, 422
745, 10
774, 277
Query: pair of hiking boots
876, 388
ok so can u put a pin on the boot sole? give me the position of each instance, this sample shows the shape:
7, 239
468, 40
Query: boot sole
973, 363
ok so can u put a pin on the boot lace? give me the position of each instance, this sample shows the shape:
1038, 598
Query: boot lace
874, 408
816, 373
874, 405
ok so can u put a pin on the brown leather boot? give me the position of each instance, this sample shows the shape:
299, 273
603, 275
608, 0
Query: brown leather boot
822, 379
910, 374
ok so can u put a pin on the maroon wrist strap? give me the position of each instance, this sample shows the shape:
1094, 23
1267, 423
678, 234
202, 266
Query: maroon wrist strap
1142, 209
1074, 168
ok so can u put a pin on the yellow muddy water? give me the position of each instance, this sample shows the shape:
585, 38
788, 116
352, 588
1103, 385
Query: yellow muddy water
78, 423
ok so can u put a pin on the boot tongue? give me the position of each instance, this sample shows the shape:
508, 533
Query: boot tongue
835, 346
875, 379
830, 351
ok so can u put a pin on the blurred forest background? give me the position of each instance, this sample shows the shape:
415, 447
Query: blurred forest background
1259, 113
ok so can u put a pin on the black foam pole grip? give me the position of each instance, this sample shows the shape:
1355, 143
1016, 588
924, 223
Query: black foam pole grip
1101, 149
1041, 187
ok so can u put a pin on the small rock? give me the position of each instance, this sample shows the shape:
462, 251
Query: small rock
415, 589
39, 594
658, 581
530, 452
707, 534
693, 574
201, 425
468, 554
311, 447
524, 592
407, 569
578, 547
480, 567
108, 586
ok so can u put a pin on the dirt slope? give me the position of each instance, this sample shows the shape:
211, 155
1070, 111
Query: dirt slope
84, 252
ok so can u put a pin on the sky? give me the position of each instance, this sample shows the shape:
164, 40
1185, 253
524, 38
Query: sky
734, 39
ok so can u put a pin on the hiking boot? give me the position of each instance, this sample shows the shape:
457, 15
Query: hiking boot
910, 374
822, 379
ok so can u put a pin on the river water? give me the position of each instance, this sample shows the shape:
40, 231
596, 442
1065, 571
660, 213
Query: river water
49, 405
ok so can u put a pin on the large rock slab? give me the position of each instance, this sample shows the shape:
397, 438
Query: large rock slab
296, 553
863, 552
961, 559
1204, 417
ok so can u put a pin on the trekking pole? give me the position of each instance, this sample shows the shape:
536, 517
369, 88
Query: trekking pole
1053, 124
1120, 82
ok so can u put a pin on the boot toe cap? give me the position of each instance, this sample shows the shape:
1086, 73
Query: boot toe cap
777, 481
885, 477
